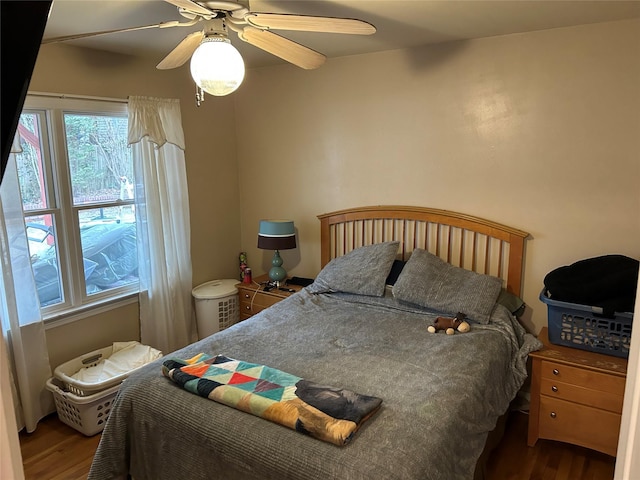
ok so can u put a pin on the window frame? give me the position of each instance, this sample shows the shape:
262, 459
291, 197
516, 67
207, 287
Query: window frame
59, 194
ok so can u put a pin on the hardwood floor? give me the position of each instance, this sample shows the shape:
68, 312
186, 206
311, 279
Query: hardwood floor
58, 452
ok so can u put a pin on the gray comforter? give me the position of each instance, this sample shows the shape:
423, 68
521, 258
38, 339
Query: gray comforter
441, 395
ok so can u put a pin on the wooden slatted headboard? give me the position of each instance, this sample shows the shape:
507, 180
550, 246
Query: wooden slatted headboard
465, 241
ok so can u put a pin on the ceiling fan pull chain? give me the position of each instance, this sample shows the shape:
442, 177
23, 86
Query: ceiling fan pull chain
199, 96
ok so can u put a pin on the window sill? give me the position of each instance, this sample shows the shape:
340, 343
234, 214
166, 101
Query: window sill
69, 316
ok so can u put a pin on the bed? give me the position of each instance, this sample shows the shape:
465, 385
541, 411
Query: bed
387, 273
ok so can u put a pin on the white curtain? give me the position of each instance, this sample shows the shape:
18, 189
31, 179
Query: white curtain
167, 321
22, 325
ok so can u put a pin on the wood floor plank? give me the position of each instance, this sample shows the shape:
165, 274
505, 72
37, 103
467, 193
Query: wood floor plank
564, 467
56, 451
578, 467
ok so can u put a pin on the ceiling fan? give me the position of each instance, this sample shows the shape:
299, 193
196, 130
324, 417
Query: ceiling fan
255, 28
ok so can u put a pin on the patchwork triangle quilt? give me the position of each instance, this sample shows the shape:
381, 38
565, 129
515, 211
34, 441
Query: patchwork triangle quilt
327, 413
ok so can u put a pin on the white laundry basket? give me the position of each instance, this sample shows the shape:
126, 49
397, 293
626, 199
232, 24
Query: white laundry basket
217, 306
85, 406
87, 414
65, 373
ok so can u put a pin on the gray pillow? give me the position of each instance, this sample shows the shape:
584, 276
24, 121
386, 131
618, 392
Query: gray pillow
362, 271
429, 281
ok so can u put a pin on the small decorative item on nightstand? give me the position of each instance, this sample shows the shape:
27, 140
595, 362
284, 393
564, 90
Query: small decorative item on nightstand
276, 235
242, 259
247, 276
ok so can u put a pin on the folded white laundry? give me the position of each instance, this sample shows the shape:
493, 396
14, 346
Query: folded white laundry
125, 357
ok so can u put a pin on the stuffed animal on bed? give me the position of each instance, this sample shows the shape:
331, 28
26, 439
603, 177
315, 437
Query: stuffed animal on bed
450, 325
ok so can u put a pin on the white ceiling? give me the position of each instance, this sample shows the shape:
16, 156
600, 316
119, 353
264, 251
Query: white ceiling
399, 23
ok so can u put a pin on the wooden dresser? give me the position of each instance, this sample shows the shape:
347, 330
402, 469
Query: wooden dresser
254, 299
576, 396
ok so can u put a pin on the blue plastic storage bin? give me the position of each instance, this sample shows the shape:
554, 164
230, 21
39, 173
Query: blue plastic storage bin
584, 327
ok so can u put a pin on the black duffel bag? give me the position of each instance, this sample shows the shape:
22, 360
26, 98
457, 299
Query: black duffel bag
608, 282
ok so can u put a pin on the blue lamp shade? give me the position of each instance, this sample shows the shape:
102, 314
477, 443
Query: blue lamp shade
276, 235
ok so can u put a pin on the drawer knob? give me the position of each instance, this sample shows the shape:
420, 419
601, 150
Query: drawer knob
246, 295
553, 415
556, 371
554, 388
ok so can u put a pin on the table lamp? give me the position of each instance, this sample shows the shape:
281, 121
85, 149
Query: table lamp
276, 235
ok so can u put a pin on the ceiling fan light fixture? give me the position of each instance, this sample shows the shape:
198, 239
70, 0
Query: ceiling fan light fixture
217, 67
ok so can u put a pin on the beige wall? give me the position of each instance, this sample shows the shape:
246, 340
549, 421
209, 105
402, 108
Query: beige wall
539, 131
211, 171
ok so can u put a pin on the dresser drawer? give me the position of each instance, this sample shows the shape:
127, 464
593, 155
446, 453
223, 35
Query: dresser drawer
247, 309
252, 302
585, 396
259, 299
582, 377
579, 424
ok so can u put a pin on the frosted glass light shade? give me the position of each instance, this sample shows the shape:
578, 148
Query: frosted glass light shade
217, 67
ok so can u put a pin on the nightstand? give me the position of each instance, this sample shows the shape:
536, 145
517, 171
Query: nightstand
576, 396
254, 299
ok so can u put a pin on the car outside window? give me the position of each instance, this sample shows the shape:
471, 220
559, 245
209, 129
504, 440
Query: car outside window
77, 185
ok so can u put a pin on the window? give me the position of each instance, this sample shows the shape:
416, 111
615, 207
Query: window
76, 179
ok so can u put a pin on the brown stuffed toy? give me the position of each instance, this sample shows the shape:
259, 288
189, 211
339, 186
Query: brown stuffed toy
450, 325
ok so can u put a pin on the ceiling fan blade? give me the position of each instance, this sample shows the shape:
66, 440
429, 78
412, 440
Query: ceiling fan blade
179, 55
190, 6
105, 32
282, 47
306, 23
